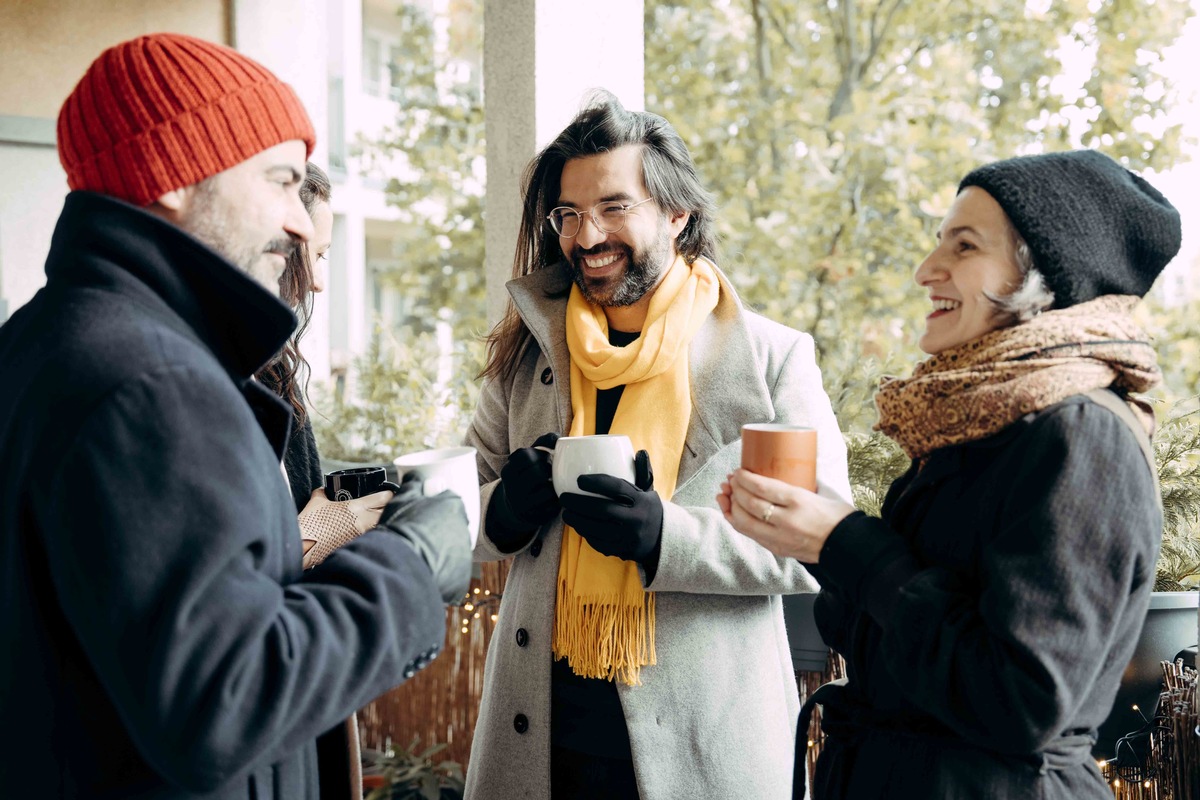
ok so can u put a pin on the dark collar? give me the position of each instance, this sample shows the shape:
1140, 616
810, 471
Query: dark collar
102, 241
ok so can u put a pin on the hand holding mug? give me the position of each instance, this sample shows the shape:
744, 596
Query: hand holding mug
438, 528
790, 521
453, 469
525, 499
348, 506
616, 517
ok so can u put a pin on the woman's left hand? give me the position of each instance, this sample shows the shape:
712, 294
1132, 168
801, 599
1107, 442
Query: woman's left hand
326, 525
789, 521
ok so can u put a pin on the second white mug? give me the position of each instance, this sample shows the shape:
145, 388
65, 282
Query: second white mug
452, 468
607, 454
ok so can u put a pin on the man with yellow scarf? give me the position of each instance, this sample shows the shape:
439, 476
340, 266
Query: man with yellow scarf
640, 650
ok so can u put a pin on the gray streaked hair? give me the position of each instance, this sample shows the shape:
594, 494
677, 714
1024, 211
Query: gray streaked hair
1029, 299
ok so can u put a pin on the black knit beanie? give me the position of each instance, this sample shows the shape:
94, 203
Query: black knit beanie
1094, 227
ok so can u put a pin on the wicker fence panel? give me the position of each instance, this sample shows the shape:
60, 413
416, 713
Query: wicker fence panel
441, 703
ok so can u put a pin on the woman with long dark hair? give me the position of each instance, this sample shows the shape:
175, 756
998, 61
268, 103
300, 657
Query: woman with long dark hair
325, 525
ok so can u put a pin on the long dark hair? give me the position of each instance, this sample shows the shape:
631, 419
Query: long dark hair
670, 177
285, 372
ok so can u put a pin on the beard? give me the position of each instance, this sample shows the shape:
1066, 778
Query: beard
643, 268
216, 222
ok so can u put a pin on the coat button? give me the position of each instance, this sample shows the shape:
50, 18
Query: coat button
547, 376
535, 549
520, 723
522, 637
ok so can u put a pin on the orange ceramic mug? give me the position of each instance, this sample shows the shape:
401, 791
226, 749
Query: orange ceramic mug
784, 452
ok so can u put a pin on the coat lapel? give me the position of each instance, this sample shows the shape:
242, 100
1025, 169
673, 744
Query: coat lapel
274, 415
541, 300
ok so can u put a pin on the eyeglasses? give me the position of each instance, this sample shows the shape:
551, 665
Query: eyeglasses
608, 217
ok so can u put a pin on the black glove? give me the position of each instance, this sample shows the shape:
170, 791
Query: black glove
626, 522
524, 500
436, 527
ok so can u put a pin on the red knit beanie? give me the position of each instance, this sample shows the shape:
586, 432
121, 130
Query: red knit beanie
165, 111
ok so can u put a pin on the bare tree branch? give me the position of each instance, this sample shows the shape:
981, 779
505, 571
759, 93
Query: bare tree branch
763, 58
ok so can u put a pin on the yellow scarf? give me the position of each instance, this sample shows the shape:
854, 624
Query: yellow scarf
604, 619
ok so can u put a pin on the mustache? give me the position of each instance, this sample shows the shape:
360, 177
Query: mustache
283, 246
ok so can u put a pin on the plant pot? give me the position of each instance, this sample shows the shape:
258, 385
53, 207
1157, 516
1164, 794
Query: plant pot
1171, 625
809, 651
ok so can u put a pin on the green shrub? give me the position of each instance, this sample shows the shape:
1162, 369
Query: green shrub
400, 396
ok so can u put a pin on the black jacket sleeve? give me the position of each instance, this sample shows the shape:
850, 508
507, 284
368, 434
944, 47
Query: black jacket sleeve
1074, 548
172, 543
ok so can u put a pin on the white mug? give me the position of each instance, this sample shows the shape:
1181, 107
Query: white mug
452, 468
608, 454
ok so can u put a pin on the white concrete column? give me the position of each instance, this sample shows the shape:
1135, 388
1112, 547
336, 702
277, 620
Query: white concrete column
354, 255
540, 57
30, 201
288, 38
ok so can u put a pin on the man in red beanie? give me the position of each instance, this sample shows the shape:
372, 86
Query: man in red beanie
158, 638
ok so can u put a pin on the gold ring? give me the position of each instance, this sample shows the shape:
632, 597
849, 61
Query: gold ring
766, 515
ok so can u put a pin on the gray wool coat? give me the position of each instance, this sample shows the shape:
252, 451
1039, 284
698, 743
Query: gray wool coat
715, 717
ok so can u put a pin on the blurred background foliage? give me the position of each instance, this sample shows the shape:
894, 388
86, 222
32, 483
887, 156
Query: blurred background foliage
834, 133
432, 159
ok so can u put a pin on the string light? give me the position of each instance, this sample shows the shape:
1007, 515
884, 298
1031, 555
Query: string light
476, 603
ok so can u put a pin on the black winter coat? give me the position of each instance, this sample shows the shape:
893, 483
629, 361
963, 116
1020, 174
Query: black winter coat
302, 461
987, 618
158, 638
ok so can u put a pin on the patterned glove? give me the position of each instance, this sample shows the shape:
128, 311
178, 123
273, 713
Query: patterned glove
326, 525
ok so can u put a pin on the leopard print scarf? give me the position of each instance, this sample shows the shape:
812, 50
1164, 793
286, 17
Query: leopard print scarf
977, 389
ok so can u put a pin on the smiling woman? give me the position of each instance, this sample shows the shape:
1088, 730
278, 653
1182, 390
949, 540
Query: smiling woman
986, 619
980, 277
